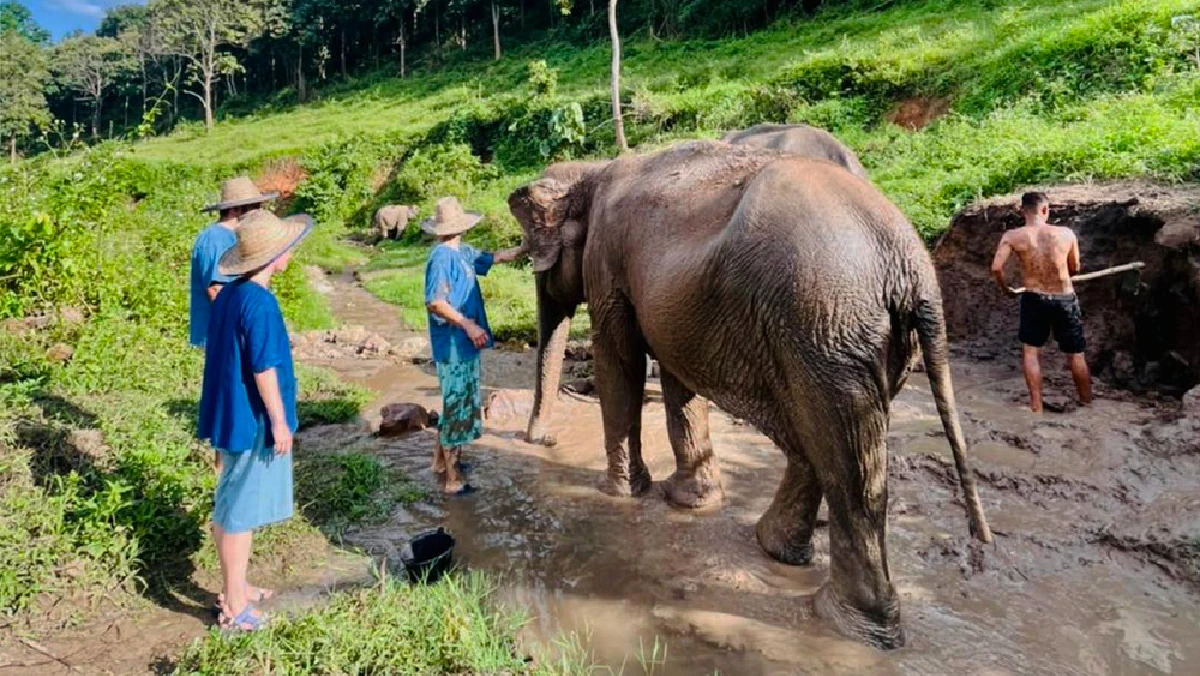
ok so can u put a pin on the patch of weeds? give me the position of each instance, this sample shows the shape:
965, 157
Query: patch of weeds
391, 628
339, 491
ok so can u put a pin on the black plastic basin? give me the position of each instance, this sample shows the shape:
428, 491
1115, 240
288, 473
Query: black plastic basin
428, 556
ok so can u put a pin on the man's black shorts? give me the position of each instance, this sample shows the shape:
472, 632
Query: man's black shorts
1042, 313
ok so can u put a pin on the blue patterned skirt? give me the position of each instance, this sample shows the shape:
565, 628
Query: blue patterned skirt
462, 400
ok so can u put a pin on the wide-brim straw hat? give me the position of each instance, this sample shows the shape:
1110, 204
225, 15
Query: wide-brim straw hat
261, 238
240, 192
450, 219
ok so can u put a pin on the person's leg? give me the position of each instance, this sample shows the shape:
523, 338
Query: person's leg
1082, 376
233, 551
1033, 333
1068, 331
1032, 367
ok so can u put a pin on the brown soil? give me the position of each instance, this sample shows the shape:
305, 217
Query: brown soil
918, 113
1143, 333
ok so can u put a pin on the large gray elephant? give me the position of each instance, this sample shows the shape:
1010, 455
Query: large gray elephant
799, 139
783, 289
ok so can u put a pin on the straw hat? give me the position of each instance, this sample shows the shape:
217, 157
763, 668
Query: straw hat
240, 192
450, 219
261, 238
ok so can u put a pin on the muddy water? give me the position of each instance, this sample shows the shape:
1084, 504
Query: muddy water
1094, 510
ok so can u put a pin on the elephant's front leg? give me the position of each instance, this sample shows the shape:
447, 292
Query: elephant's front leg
697, 479
621, 383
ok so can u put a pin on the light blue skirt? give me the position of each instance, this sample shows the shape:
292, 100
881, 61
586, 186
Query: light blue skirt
255, 488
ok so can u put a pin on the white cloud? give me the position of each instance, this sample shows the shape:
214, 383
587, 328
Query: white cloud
82, 7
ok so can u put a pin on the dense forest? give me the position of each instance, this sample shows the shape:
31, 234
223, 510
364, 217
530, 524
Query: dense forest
147, 66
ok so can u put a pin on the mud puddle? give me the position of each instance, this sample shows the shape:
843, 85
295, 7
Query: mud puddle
1094, 570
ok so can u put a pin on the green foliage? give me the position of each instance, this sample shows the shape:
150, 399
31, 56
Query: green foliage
16, 18
24, 75
543, 80
346, 490
111, 236
433, 172
391, 628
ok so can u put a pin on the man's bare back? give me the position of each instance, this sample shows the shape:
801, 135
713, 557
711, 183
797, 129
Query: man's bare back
1049, 256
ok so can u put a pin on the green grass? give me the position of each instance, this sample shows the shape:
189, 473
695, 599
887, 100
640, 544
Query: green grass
345, 490
392, 628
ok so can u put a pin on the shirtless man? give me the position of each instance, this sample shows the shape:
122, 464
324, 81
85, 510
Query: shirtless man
1049, 256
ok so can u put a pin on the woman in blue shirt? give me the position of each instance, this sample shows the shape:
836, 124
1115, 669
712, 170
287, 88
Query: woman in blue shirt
458, 330
248, 405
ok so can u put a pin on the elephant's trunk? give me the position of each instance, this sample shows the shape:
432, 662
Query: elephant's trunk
931, 331
554, 326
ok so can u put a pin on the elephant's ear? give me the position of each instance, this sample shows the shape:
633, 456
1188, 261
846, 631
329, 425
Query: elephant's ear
541, 207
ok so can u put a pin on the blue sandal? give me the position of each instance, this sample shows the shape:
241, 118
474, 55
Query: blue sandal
250, 619
264, 595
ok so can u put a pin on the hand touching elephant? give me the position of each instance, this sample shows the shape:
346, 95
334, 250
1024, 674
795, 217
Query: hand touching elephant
784, 289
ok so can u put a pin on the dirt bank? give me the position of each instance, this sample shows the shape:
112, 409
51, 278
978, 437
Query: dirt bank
1143, 334
1095, 569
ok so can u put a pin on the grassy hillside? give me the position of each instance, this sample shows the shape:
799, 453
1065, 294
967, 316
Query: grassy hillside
1021, 92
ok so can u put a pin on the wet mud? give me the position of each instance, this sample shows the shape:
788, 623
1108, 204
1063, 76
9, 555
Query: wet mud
1095, 568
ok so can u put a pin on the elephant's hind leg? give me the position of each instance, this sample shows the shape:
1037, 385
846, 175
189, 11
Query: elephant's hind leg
859, 598
785, 531
697, 479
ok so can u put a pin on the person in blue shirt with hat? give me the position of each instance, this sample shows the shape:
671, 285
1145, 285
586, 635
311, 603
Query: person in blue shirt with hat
248, 405
458, 330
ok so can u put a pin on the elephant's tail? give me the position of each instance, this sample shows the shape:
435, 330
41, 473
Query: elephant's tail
931, 331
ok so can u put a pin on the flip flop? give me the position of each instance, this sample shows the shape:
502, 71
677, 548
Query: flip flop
467, 489
263, 596
250, 619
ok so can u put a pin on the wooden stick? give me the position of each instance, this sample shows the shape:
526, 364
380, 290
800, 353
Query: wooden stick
1097, 274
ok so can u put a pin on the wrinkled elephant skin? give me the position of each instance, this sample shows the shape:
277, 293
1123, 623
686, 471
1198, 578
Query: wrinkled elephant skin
784, 289
801, 140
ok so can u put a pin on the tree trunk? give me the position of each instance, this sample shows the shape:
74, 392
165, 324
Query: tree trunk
96, 110
403, 47
344, 73
496, 28
208, 101
618, 120
12, 148
300, 93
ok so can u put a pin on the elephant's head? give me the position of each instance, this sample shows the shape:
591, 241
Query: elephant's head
553, 213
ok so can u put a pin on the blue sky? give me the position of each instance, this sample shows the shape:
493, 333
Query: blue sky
63, 16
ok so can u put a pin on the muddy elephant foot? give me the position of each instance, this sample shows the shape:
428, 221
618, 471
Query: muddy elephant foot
879, 628
784, 540
540, 437
694, 490
622, 487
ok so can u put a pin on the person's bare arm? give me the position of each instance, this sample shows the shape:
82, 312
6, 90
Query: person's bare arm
1002, 254
509, 255
268, 389
1073, 263
446, 311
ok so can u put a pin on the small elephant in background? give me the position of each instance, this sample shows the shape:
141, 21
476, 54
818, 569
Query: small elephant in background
391, 220
802, 140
